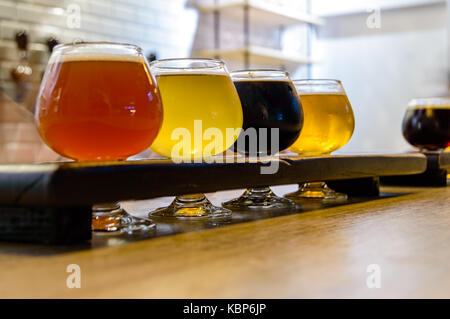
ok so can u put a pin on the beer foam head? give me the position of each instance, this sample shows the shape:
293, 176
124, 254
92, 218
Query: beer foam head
160, 72
260, 75
433, 102
185, 66
260, 80
319, 86
96, 57
97, 51
321, 93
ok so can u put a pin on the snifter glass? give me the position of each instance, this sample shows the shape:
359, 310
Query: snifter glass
328, 125
426, 124
99, 102
200, 105
273, 119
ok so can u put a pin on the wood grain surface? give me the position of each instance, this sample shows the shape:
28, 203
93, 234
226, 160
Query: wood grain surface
322, 253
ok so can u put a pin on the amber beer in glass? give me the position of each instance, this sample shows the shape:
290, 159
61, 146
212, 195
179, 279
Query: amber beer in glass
98, 102
328, 125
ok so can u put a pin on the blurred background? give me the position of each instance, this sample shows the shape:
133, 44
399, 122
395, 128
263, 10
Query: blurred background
385, 52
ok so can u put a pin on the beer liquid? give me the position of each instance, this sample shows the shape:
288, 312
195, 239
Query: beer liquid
328, 124
98, 107
209, 98
269, 104
427, 127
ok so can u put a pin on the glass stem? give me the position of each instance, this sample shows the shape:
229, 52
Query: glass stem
105, 208
312, 185
107, 216
259, 190
190, 198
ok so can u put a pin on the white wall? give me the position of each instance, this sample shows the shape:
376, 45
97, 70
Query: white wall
382, 69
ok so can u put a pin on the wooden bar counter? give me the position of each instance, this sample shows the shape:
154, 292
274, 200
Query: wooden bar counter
324, 252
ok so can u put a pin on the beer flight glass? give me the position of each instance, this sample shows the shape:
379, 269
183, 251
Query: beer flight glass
328, 125
99, 102
269, 101
198, 96
426, 124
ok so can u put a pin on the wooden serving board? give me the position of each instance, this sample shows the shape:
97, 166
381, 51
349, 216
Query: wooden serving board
438, 167
438, 160
78, 184
51, 202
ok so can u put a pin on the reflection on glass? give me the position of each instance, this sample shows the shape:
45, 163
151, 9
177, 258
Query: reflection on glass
99, 102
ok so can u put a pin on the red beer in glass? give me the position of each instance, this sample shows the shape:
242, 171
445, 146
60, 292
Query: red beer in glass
99, 102
98, 106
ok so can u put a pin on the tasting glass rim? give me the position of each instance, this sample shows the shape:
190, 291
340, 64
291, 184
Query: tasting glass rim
317, 81
260, 74
99, 44
215, 64
318, 86
430, 102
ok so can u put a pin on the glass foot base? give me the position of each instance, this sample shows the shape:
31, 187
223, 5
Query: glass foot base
318, 191
112, 218
259, 199
191, 206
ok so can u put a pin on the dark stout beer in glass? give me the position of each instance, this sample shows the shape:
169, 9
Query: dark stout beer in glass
268, 104
269, 101
426, 124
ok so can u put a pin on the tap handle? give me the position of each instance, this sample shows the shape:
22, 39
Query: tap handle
51, 43
22, 40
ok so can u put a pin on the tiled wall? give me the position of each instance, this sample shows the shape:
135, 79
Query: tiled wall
166, 27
